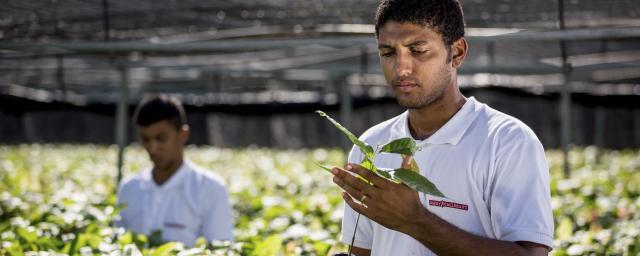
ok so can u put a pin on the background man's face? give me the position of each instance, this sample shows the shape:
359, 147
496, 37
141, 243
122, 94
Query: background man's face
414, 62
163, 143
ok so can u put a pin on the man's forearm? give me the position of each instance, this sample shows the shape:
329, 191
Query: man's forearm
444, 238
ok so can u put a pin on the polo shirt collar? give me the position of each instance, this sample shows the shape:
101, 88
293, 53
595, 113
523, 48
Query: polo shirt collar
451, 132
175, 180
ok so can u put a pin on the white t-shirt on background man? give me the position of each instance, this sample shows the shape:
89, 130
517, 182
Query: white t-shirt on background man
193, 203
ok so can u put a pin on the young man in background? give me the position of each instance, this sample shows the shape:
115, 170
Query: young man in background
175, 196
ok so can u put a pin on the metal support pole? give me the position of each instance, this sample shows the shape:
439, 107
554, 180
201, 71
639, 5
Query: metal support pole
122, 117
565, 101
345, 110
364, 60
600, 121
364, 67
491, 53
105, 19
565, 119
60, 75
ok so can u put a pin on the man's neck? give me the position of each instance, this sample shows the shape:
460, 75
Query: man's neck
424, 122
160, 176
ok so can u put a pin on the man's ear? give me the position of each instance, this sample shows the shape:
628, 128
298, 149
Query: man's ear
458, 52
184, 133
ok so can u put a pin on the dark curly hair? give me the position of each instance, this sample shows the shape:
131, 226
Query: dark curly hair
443, 16
155, 108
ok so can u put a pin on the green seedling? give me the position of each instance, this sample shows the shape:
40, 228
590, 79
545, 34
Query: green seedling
402, 146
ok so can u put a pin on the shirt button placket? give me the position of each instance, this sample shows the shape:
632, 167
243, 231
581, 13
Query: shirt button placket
157, 200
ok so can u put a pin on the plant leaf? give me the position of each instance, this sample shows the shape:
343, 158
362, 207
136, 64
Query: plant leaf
565, 229
324, 168
155, 238
414, 166
27, 235
164, 249
126, 238
364, 147
358, 176
404, 146
15, 250
417, 182
269, 246
384, 172
368, 164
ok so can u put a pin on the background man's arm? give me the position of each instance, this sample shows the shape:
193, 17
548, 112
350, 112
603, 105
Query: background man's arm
218, 221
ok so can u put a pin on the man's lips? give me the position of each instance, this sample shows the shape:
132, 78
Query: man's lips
405, 85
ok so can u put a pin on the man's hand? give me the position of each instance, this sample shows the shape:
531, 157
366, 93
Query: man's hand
398, 207
390, 204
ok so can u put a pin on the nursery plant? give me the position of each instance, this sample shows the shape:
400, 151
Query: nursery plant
403, 146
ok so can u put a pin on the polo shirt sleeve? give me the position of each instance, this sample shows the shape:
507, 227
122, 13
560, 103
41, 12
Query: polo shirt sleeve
364, 231
217, 220
520, 200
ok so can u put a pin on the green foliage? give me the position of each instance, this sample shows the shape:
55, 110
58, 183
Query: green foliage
164, 249
416, 181
270, 246
366, 149
596, 210
61, 198
402, 146
66, 196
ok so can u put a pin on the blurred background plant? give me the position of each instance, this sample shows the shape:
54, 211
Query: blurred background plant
59, 199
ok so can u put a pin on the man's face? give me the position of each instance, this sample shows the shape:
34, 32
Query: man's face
163, 143
415, 63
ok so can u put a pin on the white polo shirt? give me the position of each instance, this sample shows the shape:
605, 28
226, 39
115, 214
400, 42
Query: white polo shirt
194, 202
490, 166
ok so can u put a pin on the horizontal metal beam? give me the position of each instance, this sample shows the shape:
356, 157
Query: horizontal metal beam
229, 45
570, 34
213, 46
336, 68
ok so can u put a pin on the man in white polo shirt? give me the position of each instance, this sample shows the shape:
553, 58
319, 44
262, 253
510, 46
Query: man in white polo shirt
490, 166
175, 197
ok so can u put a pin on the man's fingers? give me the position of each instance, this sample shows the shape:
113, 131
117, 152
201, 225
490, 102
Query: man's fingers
348, 188
366, 174
361, 208
407, 162
342, 176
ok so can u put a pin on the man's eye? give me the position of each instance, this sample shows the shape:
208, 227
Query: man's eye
418, 51
386, 54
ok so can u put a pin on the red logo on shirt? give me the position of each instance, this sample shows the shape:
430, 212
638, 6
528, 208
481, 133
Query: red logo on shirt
453, 205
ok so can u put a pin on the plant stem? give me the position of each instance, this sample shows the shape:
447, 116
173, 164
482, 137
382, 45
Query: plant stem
353, 238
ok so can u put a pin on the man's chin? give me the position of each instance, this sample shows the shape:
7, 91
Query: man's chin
417, 102
159, 165
410, 104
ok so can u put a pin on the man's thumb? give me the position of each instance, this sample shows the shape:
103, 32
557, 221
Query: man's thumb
407, 162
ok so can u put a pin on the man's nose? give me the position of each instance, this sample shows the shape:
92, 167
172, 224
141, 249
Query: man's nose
403, 65
152, 147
